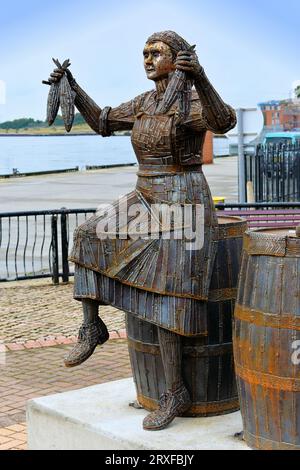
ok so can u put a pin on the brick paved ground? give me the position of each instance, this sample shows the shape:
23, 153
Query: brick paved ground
34, 310
31, 312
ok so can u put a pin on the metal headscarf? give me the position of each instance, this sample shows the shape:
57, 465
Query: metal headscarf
172, 39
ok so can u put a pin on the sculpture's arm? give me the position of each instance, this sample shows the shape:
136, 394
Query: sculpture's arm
102, 121
216, 115
122, 117
107, 120
87, 107
219, 116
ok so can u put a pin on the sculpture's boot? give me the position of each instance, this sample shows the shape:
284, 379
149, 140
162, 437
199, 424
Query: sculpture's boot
177, 399
91, 333
171, 404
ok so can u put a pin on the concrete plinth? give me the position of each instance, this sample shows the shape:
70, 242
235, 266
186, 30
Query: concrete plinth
99, 417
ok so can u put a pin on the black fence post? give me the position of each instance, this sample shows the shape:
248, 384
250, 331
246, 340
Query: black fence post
64, 247
246, 175
54, 245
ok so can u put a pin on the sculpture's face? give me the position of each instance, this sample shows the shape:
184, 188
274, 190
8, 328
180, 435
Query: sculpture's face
158, 60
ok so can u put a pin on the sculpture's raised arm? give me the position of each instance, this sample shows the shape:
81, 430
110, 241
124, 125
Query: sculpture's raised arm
102, 121
218, 116
106, 120
87, 107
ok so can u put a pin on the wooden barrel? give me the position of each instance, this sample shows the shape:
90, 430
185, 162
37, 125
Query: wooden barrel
208, 367
266, 339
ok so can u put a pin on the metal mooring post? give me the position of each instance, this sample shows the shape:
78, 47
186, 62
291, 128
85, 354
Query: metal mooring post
64, 247
54, 244
241, 156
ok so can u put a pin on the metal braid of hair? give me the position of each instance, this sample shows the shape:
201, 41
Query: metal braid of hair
179, 86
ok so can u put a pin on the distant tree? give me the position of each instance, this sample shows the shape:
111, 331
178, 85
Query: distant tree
78, 119
23, 123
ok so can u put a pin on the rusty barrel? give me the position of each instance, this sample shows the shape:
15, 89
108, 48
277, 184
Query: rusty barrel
208, 367
267, 339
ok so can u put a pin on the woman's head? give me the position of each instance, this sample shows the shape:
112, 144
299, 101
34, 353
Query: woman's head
160, 53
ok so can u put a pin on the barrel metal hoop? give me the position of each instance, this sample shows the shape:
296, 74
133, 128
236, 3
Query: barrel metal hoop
206, 408
232, 231
140, 346
219, 295
272, 320
208, 350
192, 351
263, 379
258, 442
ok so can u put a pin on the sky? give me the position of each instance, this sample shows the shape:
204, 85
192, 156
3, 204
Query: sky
249, 49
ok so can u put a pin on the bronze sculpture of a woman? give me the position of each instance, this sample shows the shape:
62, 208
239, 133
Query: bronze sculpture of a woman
156, 279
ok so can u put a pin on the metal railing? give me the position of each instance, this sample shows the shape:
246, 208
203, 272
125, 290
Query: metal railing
274, 170
36, 244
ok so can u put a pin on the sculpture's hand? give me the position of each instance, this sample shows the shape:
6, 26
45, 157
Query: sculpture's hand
189, 63
58, 72
56, 75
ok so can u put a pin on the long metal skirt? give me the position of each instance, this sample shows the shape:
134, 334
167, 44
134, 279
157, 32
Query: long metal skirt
182, 315
165, 262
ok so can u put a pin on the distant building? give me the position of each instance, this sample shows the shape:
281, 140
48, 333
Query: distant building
281, 115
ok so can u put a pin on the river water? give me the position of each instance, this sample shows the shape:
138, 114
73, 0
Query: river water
43, 153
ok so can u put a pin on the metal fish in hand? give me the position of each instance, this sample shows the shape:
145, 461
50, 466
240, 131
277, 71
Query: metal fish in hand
179, 87
67, 98
61, 94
